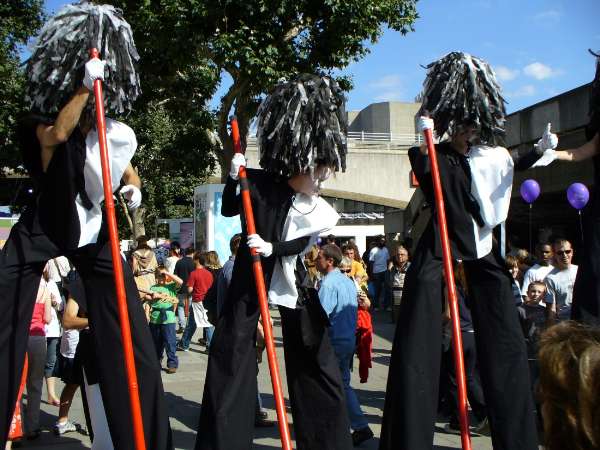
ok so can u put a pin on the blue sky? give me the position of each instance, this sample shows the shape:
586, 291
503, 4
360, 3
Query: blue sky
537, 47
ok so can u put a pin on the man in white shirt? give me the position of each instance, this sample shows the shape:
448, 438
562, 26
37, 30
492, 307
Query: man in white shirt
560, 282
539, 271
379, 258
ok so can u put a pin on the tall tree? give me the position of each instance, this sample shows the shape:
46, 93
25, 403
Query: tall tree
256, 42
19, 20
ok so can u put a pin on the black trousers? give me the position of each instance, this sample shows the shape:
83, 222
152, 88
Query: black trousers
413, 381
314, 381
474, 390
21, 263
586, 292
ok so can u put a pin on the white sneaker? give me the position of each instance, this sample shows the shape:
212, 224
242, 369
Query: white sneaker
64, 427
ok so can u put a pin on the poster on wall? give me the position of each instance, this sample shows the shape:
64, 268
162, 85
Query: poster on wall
212, 231
224, 228
200, 219
186, 234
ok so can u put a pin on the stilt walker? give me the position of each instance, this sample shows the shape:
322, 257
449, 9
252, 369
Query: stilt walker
61, 150
259, 280
301, 137
475, 176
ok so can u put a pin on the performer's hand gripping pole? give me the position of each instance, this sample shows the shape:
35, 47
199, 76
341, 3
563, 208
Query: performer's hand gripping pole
134, 398
452, 298
284, 431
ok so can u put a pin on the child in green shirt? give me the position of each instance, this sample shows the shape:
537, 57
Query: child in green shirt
163, 301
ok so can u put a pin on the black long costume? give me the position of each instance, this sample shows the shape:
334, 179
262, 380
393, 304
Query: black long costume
49, 228
586, 293
412, 390
314, 381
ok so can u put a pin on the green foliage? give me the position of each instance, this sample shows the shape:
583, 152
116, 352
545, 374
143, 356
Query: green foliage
19, 20
256, 42
174, 155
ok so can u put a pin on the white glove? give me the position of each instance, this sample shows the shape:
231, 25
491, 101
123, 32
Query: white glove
549, 140
237, 161
94, 70
133, 196
425, 123
262, 247
548, 156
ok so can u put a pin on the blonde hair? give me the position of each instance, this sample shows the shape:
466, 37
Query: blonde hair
212, 260
570, 386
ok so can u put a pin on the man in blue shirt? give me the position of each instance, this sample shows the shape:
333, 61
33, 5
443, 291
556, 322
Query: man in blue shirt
338, 296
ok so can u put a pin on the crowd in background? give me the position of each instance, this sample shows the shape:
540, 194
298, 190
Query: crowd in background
185, 290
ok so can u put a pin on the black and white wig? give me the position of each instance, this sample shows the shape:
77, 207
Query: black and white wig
302, 124
56, 67
462, 89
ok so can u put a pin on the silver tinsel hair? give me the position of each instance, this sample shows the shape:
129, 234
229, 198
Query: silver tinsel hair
460, 88
56, 67
303, 124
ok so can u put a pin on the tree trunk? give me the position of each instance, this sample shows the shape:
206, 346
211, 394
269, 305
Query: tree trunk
236, 92
139, 228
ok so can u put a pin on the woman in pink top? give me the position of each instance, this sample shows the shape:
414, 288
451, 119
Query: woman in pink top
36, 353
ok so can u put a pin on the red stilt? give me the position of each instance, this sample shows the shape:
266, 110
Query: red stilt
452, 298
132, 383
284, 431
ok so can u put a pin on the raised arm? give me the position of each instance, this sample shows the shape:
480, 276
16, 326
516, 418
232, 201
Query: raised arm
586, 151
68, 118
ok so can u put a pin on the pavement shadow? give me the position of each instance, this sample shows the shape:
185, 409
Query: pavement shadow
185, 411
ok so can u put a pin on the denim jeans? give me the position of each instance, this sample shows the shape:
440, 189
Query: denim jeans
344, 354
189, 331
208, 334
380, 299
181, 319
164, 339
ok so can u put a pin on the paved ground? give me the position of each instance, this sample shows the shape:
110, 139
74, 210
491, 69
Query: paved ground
184, 394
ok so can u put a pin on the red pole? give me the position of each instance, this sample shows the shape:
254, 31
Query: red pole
452, 298
284, 431
134, 398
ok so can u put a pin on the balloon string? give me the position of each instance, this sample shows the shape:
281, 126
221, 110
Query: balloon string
530, 230
581, 227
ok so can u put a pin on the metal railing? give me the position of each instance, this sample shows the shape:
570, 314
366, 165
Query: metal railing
393, 139
396, 138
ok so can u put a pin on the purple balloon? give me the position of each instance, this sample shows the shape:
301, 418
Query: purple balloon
530, 190
578, 195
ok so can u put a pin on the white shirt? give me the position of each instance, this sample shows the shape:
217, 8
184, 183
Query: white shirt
308, 216
121, 147
559, 285
379, 257
68, 343
492, 171
58, 268
170, 263
52, 329
535, 273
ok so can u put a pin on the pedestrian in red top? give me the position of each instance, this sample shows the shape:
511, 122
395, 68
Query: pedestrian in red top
199, 282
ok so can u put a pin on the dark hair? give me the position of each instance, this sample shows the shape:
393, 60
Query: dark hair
234, 243
511, 261
200, 257
175, 245
332, 251
569, 386
190, 250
